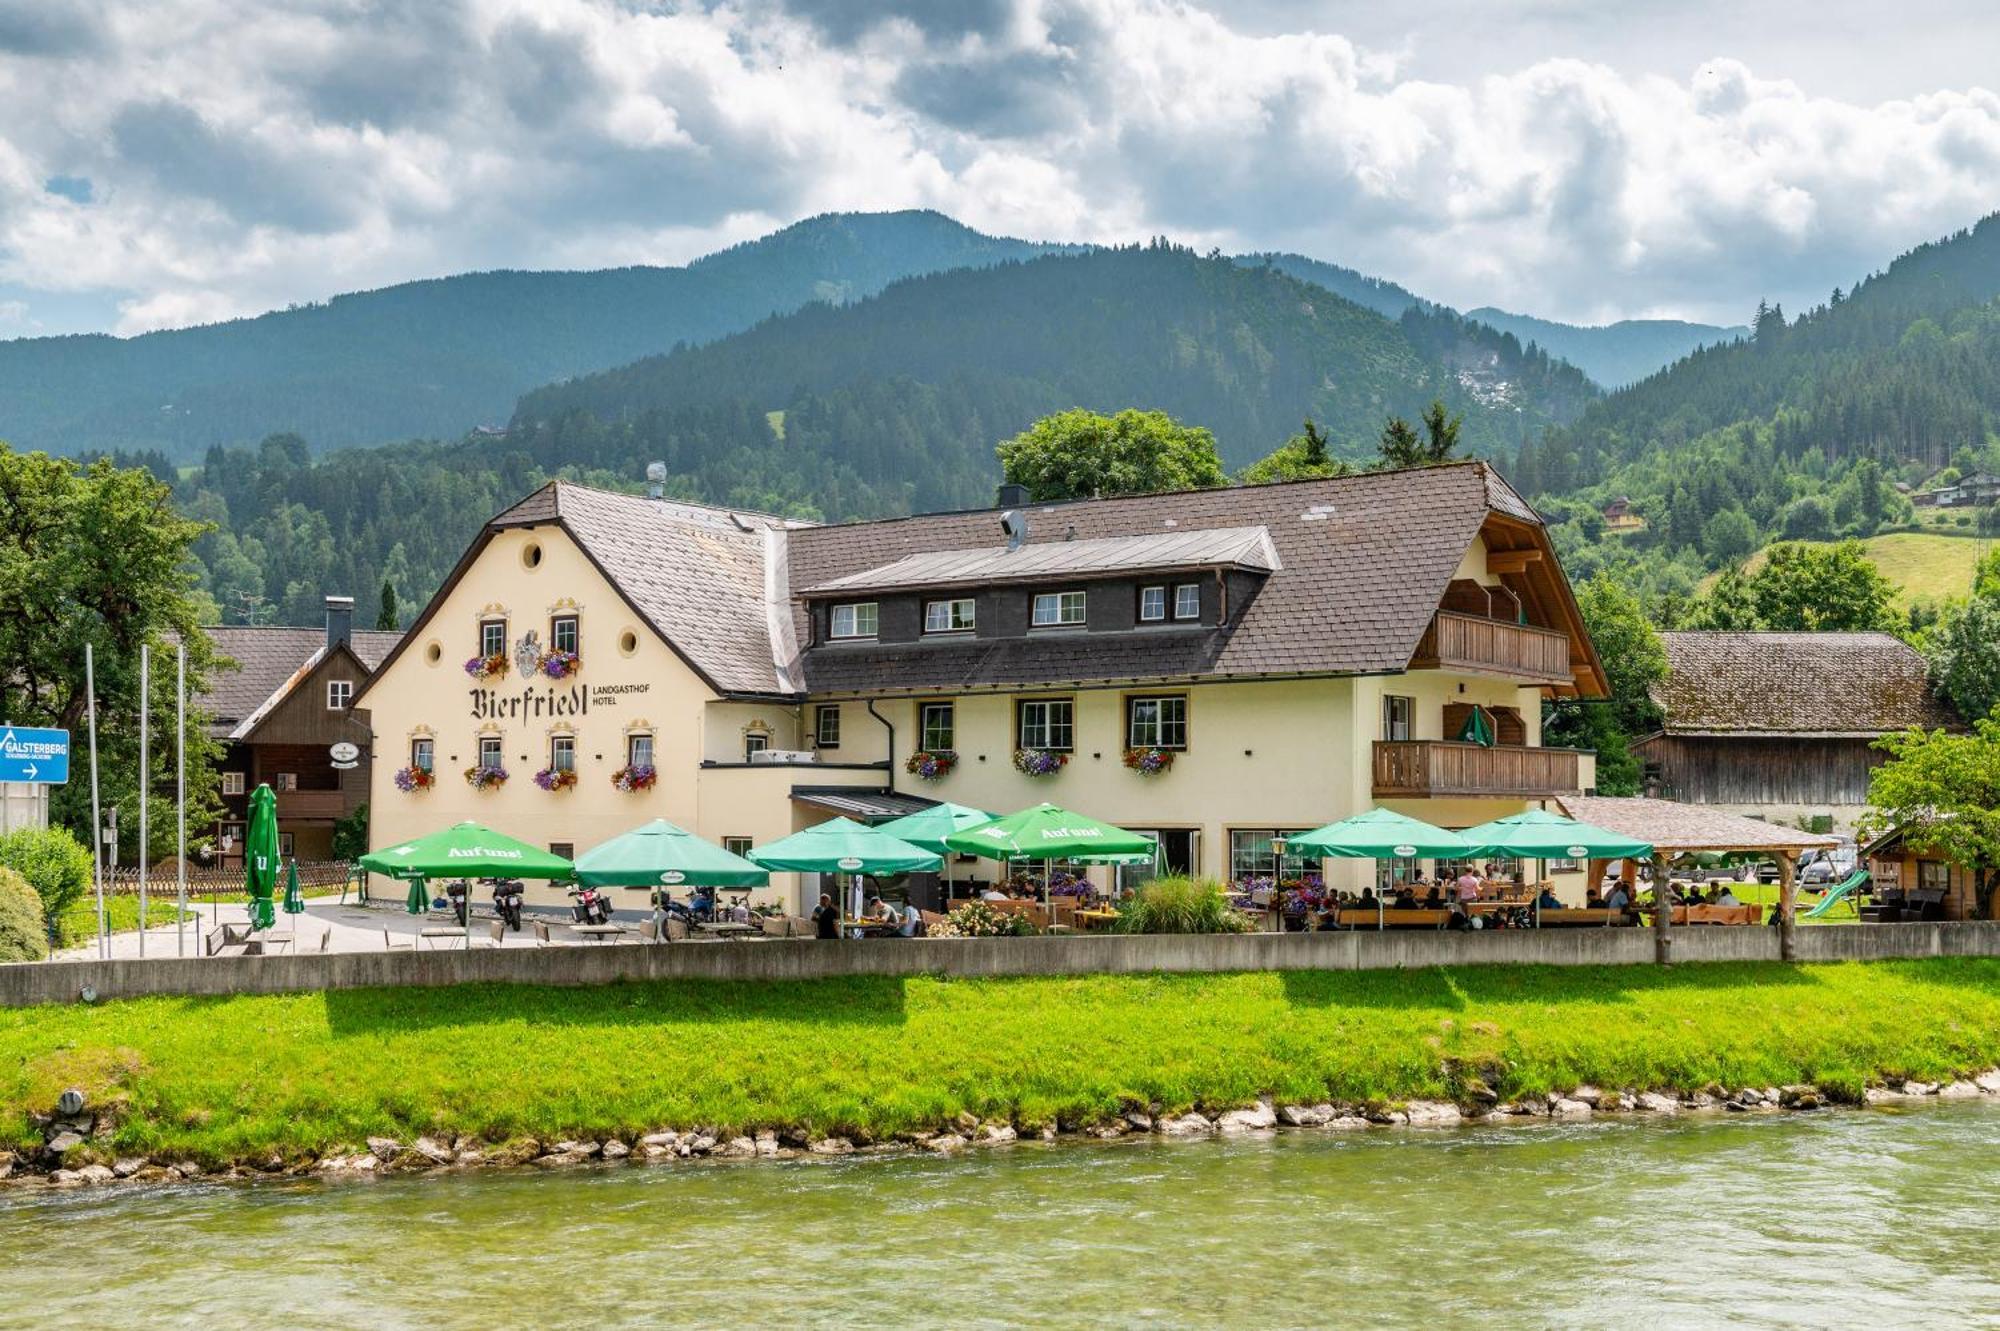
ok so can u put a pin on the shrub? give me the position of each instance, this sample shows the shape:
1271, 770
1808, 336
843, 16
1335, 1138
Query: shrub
23, 935
55, 864
1181, 906
978, 919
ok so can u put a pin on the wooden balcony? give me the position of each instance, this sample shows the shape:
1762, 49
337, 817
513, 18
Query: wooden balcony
1479, 646
310, 804
1426, 767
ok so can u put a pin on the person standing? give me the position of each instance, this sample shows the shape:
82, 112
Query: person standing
826, 918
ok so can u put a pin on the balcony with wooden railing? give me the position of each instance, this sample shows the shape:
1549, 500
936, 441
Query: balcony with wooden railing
1481, 646
1421, 768
311, 804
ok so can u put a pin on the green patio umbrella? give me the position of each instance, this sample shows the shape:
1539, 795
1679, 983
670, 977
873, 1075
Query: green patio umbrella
1382, 834
295, 900
1541, 835
1478, 729
843, 846
661, 853
260, 856
464, 850
929, 827
420, 897
1049, 832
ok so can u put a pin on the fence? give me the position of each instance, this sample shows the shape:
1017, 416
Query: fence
207, 881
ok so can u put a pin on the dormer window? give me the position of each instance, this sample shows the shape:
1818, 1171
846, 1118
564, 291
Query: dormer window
954, 616
1152, 604
856, 619
1057, 610
1187, 601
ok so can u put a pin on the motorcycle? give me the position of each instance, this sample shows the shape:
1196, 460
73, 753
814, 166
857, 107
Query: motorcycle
590, 905
458, 894
507, 896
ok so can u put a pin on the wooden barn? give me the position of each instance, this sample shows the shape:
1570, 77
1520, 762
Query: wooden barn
1782, 725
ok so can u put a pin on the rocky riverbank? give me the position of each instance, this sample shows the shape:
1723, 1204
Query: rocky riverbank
74, 1154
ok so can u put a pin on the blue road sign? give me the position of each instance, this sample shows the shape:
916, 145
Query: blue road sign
37, 756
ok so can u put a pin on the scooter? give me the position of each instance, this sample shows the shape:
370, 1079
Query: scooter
590, 905
507, 897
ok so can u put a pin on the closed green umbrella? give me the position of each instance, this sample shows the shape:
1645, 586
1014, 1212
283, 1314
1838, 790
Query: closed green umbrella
1478, 729
929, 827
1382, 834
661, 853
420, 897
260, 856
464, 850
295, 900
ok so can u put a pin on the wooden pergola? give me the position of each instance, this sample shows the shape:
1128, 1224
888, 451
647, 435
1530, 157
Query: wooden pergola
1675, 829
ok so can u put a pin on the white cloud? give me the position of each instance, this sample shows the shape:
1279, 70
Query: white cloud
234, 156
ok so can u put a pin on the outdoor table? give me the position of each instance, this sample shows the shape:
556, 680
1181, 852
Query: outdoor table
606, 932
727, 928
435, 932
1092, 918
876, 927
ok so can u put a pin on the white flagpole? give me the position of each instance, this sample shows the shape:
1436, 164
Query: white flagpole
145, 781
96, 816
180, 798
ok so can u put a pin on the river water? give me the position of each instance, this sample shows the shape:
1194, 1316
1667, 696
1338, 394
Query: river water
1850, 1218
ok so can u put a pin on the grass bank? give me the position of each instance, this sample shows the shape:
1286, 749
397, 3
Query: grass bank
229, 1079
78, 925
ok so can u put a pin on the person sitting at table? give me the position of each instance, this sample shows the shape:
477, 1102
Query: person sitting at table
993, 894
826, 918
1406, 899
1433, 898
880, 910
1592, 898
1369, 901
1619, 898
1548, 900
701, 903
1722, 896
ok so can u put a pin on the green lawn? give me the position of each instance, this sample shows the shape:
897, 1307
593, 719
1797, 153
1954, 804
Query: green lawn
224, 1079
78, 924
1925, 566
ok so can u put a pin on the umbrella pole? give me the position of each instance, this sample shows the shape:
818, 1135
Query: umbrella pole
180, 801
145, 780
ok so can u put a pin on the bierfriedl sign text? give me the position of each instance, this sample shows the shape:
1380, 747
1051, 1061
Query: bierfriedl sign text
550, 700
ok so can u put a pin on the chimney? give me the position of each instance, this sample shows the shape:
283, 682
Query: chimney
656, 480
1013, 495
339, 621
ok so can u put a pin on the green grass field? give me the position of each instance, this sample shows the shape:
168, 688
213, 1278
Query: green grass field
226, 1079
78, 925
1925, 566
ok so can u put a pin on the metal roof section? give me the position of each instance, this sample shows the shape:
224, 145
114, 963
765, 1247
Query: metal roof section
872, 806
1047, 561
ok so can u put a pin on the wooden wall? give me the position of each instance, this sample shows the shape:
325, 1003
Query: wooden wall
1701, 770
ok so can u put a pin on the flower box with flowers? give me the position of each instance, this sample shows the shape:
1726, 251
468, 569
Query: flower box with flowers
1039, 762
930, 764
412, 779
1149, 762
485, 778
556, 778
639, 776
487, 667
560, 664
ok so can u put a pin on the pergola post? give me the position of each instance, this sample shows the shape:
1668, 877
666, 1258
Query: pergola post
1663, 911
1788, 866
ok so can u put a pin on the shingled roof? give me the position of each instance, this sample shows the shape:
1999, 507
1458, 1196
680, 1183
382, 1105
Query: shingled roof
1828, 685
1362, 562
266, 660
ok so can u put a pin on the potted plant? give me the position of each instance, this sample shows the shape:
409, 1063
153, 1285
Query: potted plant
556, 778
1149, 762
931, 764
413, 778
480, 777
487, 667
1039, 762
638, 776
560, 664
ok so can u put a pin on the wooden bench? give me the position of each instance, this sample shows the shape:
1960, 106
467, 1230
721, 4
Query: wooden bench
1393, 917
1571, 917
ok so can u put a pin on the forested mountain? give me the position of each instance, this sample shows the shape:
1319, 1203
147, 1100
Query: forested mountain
1614, 354
438, 357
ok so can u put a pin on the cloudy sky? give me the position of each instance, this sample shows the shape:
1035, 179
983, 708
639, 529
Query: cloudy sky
165, 162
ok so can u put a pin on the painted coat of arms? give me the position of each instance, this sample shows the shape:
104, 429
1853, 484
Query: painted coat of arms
528, 654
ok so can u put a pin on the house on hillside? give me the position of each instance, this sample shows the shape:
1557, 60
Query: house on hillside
278, 710
1217, 669
1620, 517
1782, 725
1975, 491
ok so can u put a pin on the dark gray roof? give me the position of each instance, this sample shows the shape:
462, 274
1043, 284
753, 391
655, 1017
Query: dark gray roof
1220, 547
1363, 562
872, 806
1833, 685
262, 660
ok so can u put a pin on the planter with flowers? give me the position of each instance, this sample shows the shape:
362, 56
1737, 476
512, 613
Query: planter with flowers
561, 665
639, 776
487, 667
412, 779
1039, 762
931, 764
556, 778
1149, 762
480, 777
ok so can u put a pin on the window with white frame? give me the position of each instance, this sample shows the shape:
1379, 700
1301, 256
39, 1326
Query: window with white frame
738, 845
1057, 610
339, 693
1046, 723
1399, 717
1187, 601
562, 753
639, 750
1152, 604
953, 616
754, 742
285, 781
1156, 722
423, 754
1250, 854
564, 633
232, 783
856, 619
489, 751
492, 637
937, 727
826, 726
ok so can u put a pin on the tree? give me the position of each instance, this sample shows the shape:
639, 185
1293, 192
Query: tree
1821, 588
1634, 661
1077, 453
385, 614
52, 862
1965, 656
1303, 457
1441, 431
1727, 605
1402, 446
1729, 536
1943, 791
1399, 445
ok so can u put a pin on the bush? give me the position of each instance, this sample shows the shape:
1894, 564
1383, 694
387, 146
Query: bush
55, 864
1181, 906
978, 919
23, 935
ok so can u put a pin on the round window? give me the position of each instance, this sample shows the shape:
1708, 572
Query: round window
628, 642
531, 555
433, 653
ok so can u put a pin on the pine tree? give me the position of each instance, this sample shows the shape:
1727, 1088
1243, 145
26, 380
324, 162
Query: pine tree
385, 615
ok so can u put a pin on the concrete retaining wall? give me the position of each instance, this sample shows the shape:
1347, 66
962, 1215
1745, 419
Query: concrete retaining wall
805, 959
